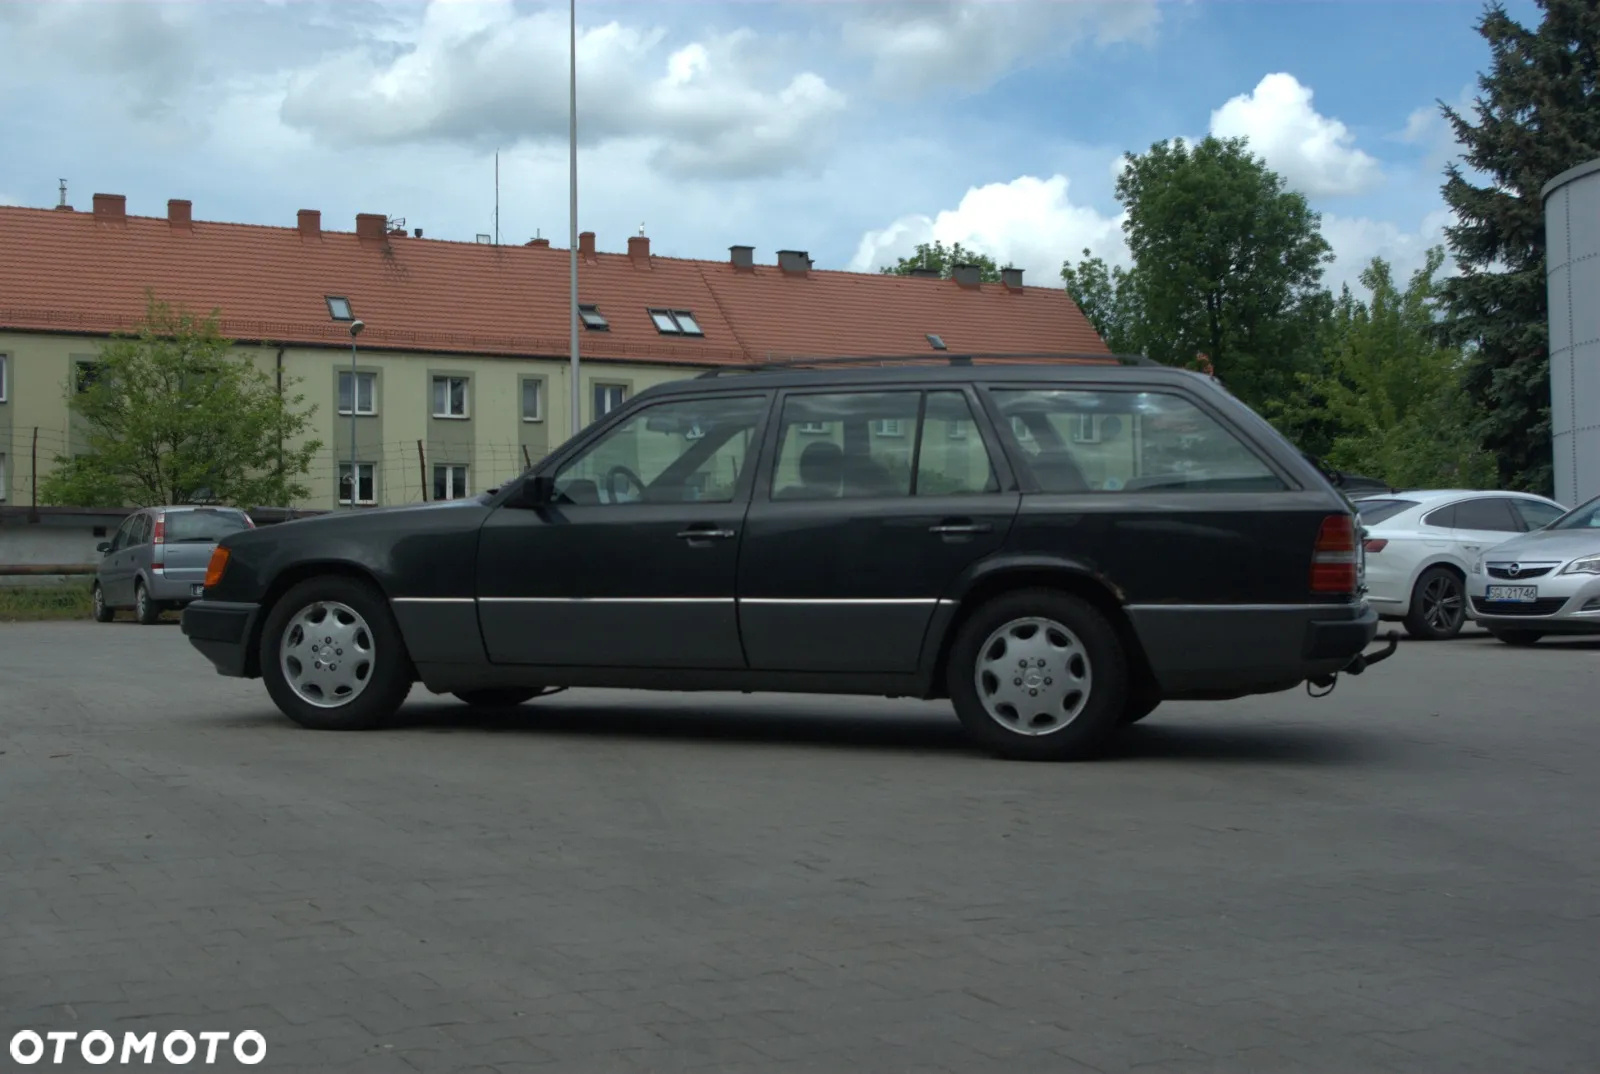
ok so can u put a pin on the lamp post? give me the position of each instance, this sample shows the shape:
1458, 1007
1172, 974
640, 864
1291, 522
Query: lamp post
572, 138
355, 473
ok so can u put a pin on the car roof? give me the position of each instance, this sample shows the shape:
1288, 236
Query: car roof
1065, 370
1428, 497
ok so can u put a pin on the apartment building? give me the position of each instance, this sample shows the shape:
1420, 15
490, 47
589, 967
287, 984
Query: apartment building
460, 375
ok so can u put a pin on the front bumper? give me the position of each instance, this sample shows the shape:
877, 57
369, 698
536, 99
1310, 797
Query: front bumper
1564, 604
222, 630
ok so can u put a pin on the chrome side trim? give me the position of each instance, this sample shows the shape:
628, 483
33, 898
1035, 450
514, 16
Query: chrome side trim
433, 600
606, 600
1239, 607
880, 601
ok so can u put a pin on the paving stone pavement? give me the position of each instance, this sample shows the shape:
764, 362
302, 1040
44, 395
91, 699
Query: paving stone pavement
1400, 877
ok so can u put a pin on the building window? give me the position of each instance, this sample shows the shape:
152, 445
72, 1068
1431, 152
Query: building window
676, 323
532, 400
449, 482
339, 308
449, 397
888, 427
87, 374
1085, 428
4, 370
592, 319
366, 490
366, 393
607, 397
814, 428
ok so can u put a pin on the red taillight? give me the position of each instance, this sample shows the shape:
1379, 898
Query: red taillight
158, 537
1377, 544
1333, 559
218, 564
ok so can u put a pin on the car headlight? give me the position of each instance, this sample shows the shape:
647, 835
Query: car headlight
1586, 565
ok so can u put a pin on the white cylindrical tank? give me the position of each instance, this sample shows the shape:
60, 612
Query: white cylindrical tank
1572, 267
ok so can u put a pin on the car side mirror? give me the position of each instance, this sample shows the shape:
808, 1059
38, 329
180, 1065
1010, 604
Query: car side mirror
103, 547
537, 491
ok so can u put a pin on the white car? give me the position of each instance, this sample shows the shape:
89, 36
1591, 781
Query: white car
1541, 583
1421, 545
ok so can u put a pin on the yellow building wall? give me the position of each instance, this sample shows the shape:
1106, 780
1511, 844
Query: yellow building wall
492, 440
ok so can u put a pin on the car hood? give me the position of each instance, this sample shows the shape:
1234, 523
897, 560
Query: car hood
1549, 544
344, 516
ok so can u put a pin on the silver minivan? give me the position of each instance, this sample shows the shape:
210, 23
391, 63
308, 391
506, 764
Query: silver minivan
158, 559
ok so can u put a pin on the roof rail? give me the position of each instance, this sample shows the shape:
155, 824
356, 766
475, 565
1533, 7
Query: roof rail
933, 359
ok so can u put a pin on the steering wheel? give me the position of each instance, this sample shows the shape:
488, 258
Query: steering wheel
622, 471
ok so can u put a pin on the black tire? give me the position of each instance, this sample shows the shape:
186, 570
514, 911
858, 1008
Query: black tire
1518, 637
1099, 650
388, 676
145, 610
103, 612
499, 697
1438, 605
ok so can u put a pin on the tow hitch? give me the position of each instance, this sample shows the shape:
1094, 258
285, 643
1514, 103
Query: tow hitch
1358, 663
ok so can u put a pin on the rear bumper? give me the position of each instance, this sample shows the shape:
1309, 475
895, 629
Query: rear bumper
1216, 651
173, 590
222, 632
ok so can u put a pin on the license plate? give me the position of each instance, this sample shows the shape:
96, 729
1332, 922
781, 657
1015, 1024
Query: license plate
197, 589
1514, 594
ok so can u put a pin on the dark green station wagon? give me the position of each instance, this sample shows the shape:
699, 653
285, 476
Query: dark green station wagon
1054, 546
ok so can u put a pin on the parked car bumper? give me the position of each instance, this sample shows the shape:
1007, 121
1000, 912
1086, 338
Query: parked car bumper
1234, 650
221, 631
1563, 604
175, 589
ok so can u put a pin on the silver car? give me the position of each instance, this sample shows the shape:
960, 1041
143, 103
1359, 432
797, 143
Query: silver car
158, 559
1544, 582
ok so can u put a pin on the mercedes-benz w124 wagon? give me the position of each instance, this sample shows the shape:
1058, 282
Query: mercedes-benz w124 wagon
1055, 548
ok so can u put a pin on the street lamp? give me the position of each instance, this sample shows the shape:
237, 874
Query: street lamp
572, 138
355, 473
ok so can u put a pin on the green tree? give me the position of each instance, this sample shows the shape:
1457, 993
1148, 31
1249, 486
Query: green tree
936, 255
172, 409
1536, 116
1390, 393
1228, 262
1109, 298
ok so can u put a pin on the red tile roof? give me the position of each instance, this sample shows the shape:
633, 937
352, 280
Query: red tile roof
87, 272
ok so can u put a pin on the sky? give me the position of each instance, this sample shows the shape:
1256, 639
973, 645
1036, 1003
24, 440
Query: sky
850, 130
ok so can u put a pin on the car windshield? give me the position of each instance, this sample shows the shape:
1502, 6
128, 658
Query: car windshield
1583, 517
1375, 511
203, 524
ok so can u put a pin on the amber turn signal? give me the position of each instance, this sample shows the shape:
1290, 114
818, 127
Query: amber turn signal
218, 564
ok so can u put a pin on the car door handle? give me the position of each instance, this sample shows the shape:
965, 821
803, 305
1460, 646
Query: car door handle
960, 528
707, 534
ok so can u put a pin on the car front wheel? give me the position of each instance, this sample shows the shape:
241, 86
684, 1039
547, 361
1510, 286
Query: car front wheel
332, 657
1438, 605
1039, 675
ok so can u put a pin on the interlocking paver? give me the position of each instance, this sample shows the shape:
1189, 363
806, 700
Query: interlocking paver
1398, 878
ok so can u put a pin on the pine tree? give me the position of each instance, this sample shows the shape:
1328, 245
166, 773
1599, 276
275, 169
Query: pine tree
1536, 116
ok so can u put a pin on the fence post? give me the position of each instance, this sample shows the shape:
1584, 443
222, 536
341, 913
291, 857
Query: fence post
422, 466
33, 509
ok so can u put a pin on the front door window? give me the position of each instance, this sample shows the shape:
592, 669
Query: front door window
686, 451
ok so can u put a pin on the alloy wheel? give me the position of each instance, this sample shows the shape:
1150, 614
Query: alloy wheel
1033, 676
1443, 604
327, 654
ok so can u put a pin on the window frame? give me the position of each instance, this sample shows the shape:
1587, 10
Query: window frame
595, 386
349, 308
1029, 485
449, 468
355, 394
676, 318
539, 384
466, 396
355, 491
593, 320
5, 375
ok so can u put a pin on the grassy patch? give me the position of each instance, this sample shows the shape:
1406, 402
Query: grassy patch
33, 603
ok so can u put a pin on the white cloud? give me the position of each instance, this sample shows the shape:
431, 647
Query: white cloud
1357, 240
1315, 154
918, 45
1028, 222
482, 74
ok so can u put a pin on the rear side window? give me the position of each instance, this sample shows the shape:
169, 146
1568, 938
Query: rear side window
203, 525
1119, 441
1373, 512
1444, 518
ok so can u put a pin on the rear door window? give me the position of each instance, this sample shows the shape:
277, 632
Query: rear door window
1123, 441
1491, 514
203, 524
1373, 512
851, 445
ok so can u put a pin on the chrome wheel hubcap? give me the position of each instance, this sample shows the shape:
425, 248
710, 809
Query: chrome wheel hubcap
1033, 676
326, 654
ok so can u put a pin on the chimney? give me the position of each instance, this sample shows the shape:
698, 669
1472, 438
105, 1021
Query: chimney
1012, 278
310, 223
112, 208
371, 225
541, 243
743, 258
417, 232
794, 262
586, 245
967, 276
639, 250
926, 273
180, 213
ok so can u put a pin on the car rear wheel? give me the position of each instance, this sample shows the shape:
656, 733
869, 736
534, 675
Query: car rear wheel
1038, 675
332, 657
1518, 637
497, 697
145, 610
103, 612
1438, 605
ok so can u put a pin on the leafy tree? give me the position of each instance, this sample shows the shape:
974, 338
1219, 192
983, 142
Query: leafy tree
1229, 264
1109, 297
172, 410
936, 255
1536, 116
1391, 393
